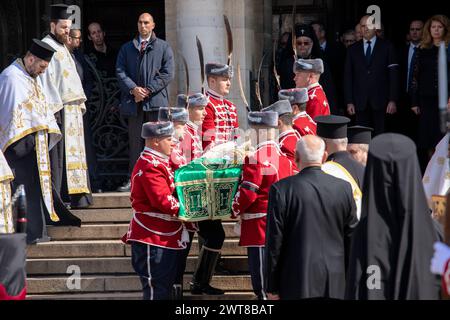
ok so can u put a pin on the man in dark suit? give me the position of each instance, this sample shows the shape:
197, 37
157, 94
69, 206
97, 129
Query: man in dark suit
371, 79
333, 54
409, 121
308, 232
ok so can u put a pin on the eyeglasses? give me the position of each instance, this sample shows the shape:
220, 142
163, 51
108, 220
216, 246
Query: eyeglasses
77, 38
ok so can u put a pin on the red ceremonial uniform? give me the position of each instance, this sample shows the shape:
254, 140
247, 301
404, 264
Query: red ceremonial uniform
304, 124
177, 158
220, 121
288, 144
318, 103
155, 220
265, 167
446, 279
192, 143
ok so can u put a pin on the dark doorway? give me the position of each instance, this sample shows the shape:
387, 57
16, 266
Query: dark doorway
119, 18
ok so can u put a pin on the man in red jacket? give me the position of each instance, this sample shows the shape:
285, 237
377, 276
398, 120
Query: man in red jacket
299, 98
221, 118
219, 126
192, 142
288, 138
155, 233
260, 170
307, 75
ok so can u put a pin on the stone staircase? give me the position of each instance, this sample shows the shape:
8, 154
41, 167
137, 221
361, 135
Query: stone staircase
96, 251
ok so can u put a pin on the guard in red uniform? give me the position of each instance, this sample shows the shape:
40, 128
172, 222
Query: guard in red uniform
221, 119
192, 142
288, 138
260, 170
180, 117
219, 126
155, 233
307, 75
298, 98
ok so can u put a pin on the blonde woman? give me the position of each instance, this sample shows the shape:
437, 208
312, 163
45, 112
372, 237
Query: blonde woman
424, 84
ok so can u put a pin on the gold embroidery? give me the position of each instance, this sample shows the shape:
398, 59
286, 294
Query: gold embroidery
426, 180
66, 74
441, 161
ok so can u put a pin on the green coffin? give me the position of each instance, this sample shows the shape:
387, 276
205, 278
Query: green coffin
206, 189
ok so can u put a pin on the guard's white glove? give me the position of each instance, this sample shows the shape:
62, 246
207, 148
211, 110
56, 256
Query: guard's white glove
440, 258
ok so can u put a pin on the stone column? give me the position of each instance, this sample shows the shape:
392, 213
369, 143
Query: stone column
202, 18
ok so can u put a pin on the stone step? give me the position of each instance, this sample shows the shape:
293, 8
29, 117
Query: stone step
107, 232
104, 215
108, 248
130, 283
136, 296
117, 215
111, 200
119, 265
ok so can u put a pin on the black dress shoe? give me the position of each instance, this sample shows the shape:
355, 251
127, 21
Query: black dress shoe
206, 289
125, 188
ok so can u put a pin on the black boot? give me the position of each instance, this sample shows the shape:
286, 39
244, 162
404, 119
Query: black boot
202, 276
125, 188
177, 292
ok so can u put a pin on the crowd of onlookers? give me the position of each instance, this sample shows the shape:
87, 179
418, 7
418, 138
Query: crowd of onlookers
389, 87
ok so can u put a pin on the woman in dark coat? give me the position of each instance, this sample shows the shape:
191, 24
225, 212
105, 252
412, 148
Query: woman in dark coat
424, 91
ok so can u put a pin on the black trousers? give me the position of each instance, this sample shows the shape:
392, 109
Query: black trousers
134, 133
212, 234
256, 258
375, 119
156, 268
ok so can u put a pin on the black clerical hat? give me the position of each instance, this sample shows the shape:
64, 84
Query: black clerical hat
359, 135
60, 12
42, 50
304, 30
332, 127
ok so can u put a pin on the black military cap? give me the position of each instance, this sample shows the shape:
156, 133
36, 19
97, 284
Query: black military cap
332, 127
359, 135
42, 50
60, 12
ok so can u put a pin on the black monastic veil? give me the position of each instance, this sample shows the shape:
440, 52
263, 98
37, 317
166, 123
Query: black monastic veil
392, 246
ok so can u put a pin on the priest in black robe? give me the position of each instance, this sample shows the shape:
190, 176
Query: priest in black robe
333, 129
309, 223
393, 244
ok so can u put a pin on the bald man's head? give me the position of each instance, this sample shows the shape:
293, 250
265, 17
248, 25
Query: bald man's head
146, 24
310, 151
